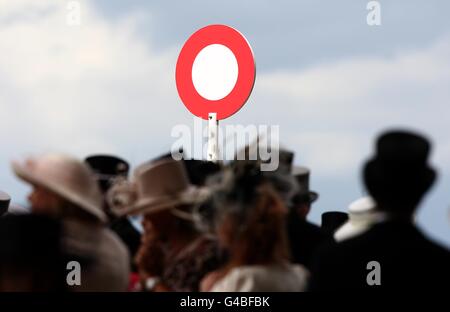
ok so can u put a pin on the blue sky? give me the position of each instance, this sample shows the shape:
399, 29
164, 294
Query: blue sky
328, 79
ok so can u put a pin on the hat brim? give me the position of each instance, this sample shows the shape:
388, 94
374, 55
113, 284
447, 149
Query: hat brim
309, 197
349, 230
313, 196
26, 174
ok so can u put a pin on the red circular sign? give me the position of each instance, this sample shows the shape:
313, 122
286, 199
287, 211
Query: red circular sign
230, 104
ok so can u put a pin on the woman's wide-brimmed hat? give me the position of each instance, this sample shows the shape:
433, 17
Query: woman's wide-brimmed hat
65, 176
156, 186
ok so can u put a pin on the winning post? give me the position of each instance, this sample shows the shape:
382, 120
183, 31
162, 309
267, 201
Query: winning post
215, 75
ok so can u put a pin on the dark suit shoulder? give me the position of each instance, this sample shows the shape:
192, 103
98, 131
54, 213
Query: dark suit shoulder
406, 258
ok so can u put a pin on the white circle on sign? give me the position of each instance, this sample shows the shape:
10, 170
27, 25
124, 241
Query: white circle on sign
215, 72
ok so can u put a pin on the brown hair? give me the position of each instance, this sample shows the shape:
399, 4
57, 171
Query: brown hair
258, 237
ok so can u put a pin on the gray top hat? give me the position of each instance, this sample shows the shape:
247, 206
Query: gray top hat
301, 174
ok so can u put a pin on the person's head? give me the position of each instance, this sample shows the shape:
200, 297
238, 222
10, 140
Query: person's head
166, 224
398, 176
31, 257
62, 186
256, 236
107, 168
200, 170
46, 202
161, 191
249, 218
304, 197
301, 209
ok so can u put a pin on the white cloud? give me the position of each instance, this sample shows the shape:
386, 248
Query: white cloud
101, 87
79, 88
333, 111
83, 89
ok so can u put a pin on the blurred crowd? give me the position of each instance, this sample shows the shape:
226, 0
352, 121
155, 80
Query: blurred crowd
194, 225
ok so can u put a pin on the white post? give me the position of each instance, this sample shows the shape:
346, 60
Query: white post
213, 137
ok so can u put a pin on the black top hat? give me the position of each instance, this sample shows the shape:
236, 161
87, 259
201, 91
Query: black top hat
286, 157
199, 170
399, 168
285, 160
107, 168
304, 195
332, 220
4, 203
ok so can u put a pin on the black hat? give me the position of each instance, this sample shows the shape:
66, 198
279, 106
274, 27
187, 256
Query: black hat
285, 160
4, 203
107, 168
332, 220
199, 170
301, 175
399, 168
285, 156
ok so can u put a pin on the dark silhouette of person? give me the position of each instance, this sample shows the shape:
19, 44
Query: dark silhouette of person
304, 236
332, 220
394, 254
31, 257
108, 169
199, 170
